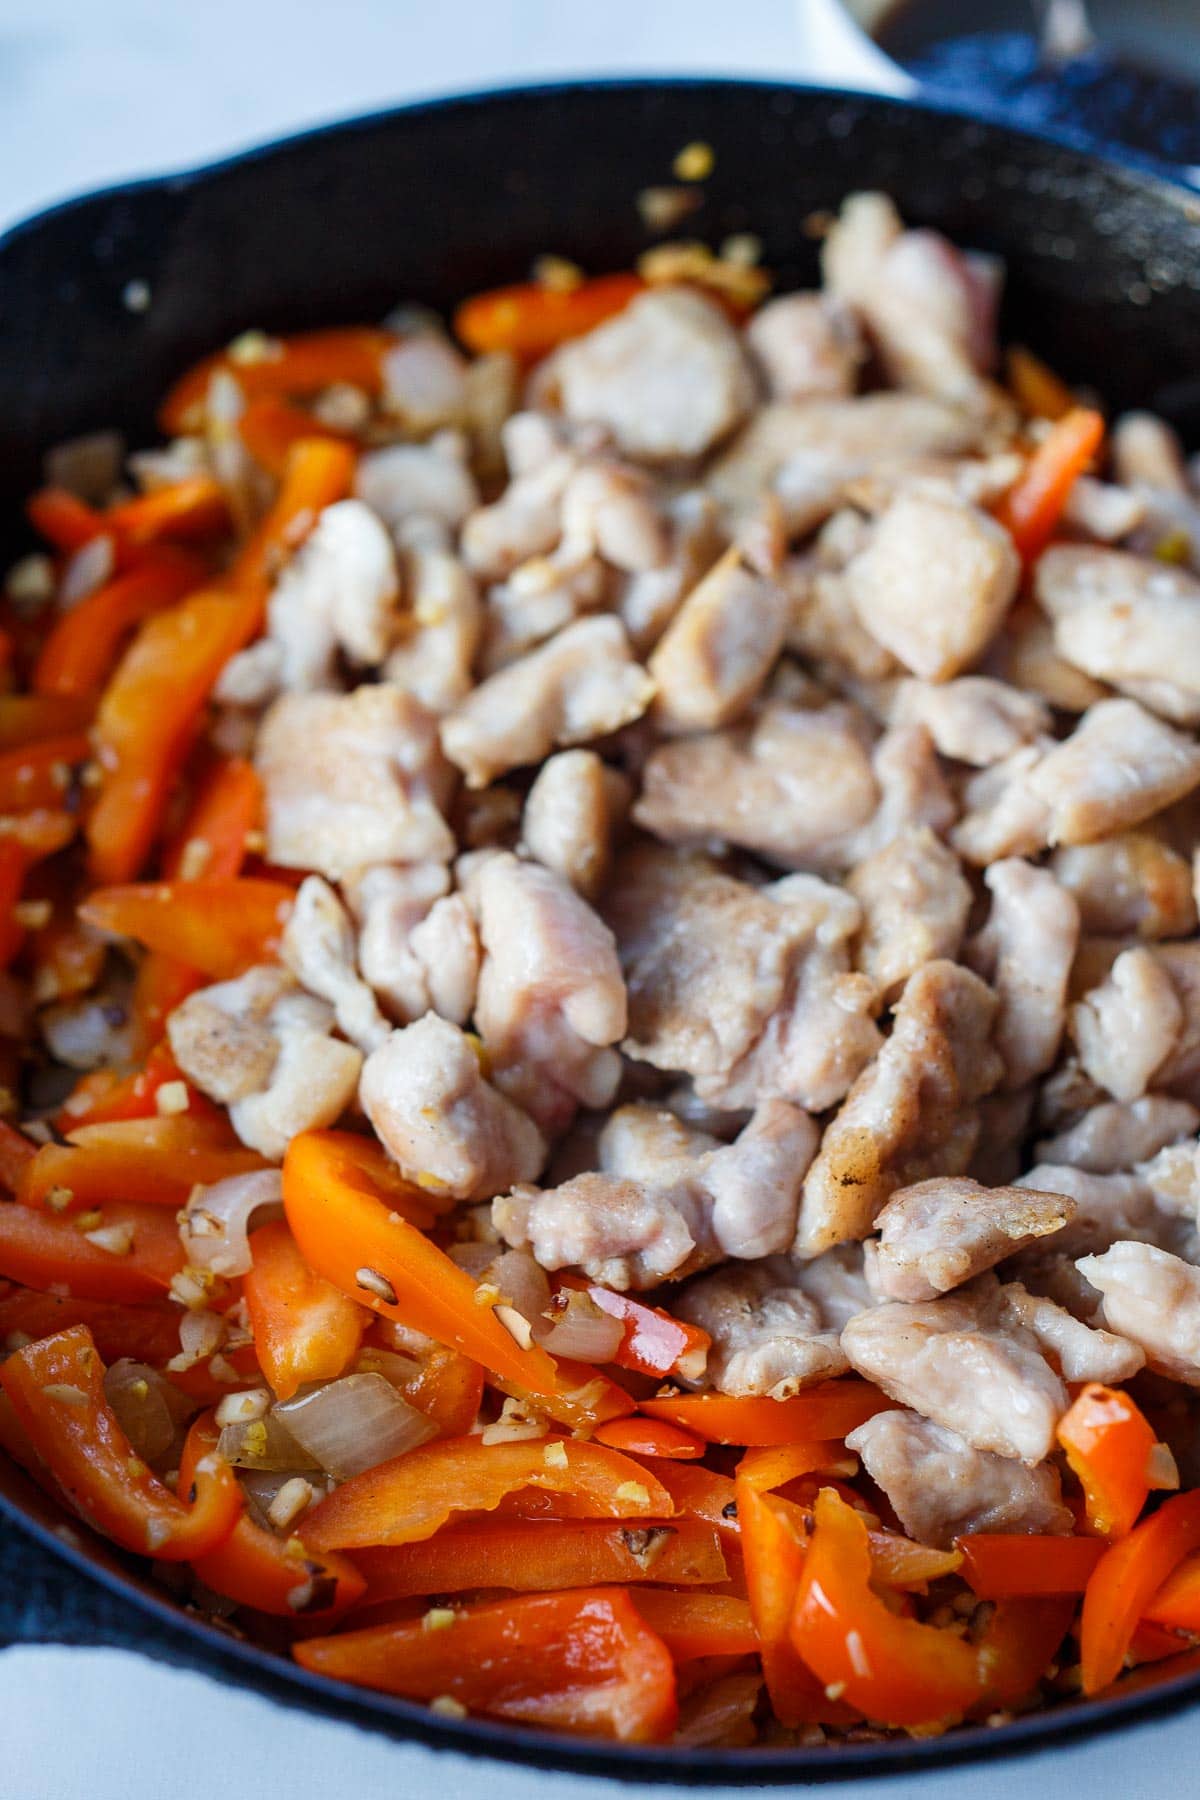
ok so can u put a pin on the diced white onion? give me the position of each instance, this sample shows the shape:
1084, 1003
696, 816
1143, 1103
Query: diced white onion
353, 1424
149, 1410
263, 1444
581, 1331
216, 1220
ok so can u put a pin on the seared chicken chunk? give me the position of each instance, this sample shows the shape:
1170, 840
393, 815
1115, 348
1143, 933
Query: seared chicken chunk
807, 345
418, 481
1152, 1298
438, 635
572, 814
973, 719
1107, 1207
1128, 621
339, 592
938, 1234
418, 948
768, 1336
915, 904
1025, 951
1131, 884
1116, 1136
1126, 1028
718, 650
1081, 1352
318, 947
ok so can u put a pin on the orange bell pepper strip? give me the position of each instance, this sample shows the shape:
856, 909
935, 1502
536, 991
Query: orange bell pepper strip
350, 1229
529, 320
828, 1410
1155, 1643
270, 426
148, 1334
161, 984
274, 1575
654, 1343
78, 655
1001, 1565
1176, 1605
147, 719
12, 879
894, 1669
448, 1389
103, 1098
1018, 1645
16, 1153
57, 1389
24, 718
45, 1250
299, 366
40, 774
1125, 1582
304, 1328
155, 1162
651, 1437
583, 1397
212, 843
193, 508
412, 1496
529, 1556
774, 1465
1033, 506
1034, 386
318, 471
220, 927
1108, 1443
63, 519
693, 1625
582, 1660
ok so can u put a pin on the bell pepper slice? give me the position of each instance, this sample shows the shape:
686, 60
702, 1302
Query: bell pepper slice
193, 508
654, 1343
274, 1575
156, 1162
1176, 1605
529, 319
103, 1097
16, 1153
774, 1465
304, 1328
161, 984
694, 1625
300, 365
47, 1251
212, 843
350, 1230
57, 1389
412, 1496
270, 426
895, 1670
1125, 1582
147, 719
828, 1410
149, 1334
651, 1437
538, 1556
448, 1389
1034, 386
63, 519
79, 653
1108, 1443
1033, 506
582, 1660
40, 774
1021, 1640
1000, 1565
221, 927
24, 718
318, 471
583, 1399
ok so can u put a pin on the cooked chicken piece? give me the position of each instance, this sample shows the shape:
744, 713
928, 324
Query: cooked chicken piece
974, 719
1026, 657
934, 583
1152, 1298
1180, 1073
940, 1488
915, 904
424, 382
648, 599
719, 648
1132, 884
930, 308
263, 1048
439, 634
352, 779
1107, 1207
767, 1336
960, 1362
785, 784
449, 1129
747, 990
1113, 1137
582, 685
627, 1231
1173, 1174
221, 1035
912, 1114
1025, 951
668, 376
998, 1156
1129, 621
940, 1233
807, 346
1003, 817
1147, 453
551, 997
824, 629
644, 1141
1103, 511
422, 481
338, 593
318, 947
526, 521
912, 793
1125, 1029
572, 814
418, 948
1080, 1352
612, 511
538, 600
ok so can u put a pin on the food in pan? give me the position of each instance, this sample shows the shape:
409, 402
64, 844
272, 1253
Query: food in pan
601, 1024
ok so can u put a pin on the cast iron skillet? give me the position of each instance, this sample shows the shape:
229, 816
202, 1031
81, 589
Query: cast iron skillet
426, 204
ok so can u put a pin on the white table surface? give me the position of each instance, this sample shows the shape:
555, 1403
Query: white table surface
96, 90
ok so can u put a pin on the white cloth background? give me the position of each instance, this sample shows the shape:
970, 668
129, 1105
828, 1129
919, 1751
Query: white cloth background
92, 91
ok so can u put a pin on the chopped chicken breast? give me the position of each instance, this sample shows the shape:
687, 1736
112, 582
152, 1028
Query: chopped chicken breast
1152, 1298
915, 904
719, 648
572, 815
1025, 951
807, 346
768, 1336
940, 1233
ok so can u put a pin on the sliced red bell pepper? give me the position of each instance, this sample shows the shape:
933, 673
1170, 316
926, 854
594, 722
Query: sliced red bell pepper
695, 1624
999, 1565
155, 1161
581, 1660
1108, 1443
161, 984
830, 1409
25, 718
103, 1097
448, 1389
220, 927
190, 509
651, 1437
1018, 1645
530, 320
1176, 1605
149, 1334
1033, 506
774, 1465
57, 1389
300, 366
40, 774
583, 1398
350, 1230
318, 471
654, 1343
270, 426
411, 1497
47, 1251
63, 519
1125, 1582
1034, 386
212, 843
537, 1556
79, 653
274, 1575
304, 1328
16, 1153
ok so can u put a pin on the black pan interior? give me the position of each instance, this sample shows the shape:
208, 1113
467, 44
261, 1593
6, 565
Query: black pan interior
431, 202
